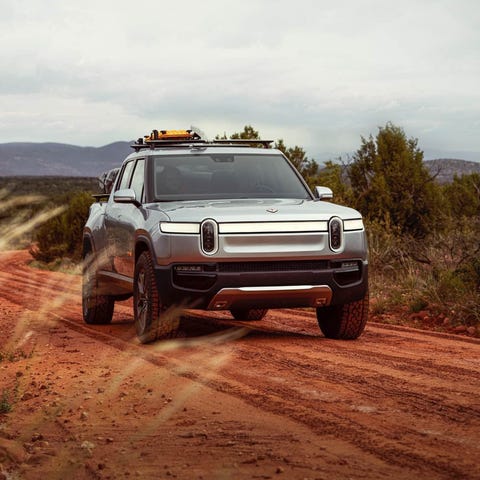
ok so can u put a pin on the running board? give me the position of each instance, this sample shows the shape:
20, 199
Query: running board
112, 283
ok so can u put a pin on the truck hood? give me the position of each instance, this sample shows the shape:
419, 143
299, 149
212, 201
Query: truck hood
254, 210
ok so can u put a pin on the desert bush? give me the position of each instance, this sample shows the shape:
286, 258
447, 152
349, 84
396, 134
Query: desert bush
61, 236
440, 272
26, 202
388, 248
463, 195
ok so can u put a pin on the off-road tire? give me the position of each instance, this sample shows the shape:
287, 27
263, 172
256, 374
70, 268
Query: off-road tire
152, 318
97, 309
248, 314
343, 322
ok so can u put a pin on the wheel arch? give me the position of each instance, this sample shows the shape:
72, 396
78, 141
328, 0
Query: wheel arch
142, 244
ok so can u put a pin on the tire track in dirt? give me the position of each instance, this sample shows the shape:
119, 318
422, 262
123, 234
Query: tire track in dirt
370, 350
365, 380
24, 280
362, 432
353, 364
394, 395
383, 443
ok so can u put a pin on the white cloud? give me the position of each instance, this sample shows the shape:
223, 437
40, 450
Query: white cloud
315, 73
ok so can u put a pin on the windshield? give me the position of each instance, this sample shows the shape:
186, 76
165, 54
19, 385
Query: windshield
194, 177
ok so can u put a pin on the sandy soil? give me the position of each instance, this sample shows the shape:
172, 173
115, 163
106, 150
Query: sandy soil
228, 400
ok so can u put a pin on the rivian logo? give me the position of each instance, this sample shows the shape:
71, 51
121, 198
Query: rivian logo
272, 210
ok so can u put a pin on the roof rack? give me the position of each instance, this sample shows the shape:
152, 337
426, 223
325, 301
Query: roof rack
179, 138
243, 141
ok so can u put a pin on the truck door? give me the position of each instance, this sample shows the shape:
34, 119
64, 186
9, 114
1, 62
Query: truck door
123, 219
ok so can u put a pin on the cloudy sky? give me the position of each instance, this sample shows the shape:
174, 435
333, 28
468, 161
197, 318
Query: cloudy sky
317, 73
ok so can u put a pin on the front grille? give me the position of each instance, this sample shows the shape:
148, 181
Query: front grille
286, 266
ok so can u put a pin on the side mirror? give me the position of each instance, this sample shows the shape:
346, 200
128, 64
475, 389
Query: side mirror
324, 193
126, 196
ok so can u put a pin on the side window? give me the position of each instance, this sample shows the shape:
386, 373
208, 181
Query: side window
125, 180
137, 179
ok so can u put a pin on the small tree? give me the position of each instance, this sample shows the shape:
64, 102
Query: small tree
390, 183
248, 133
334, 175
308, 168
463, 195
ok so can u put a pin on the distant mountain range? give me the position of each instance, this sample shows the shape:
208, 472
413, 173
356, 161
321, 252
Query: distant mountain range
444, 169
58, 159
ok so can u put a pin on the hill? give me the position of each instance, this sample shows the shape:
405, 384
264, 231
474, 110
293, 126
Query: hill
58, 159
444, 169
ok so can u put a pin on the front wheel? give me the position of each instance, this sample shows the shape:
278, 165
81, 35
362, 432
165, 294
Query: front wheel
97, 309
248, 313
344, 322
152, 320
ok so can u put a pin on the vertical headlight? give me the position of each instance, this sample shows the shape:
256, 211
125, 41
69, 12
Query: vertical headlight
335, 233
209, 237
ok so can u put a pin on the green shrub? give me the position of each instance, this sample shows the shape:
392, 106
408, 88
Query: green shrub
61, 236
26, 202
440, 273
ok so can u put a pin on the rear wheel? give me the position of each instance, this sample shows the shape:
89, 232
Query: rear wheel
344, 322
248, 313
97, 309
152, 319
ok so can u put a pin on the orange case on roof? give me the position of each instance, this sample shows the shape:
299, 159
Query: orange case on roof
169, 135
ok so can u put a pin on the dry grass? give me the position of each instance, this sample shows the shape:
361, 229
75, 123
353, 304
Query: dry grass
439, 276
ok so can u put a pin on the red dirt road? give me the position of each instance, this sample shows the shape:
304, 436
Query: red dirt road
228, 400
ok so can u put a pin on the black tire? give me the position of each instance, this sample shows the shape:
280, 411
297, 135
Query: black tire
248, 314
343, 322
152, 319
97, 309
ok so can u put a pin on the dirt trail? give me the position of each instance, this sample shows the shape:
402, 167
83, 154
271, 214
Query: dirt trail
227, 400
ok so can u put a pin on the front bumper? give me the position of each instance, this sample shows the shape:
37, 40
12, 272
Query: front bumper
287, 284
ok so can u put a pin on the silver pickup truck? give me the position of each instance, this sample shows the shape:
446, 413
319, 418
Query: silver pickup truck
220, 225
